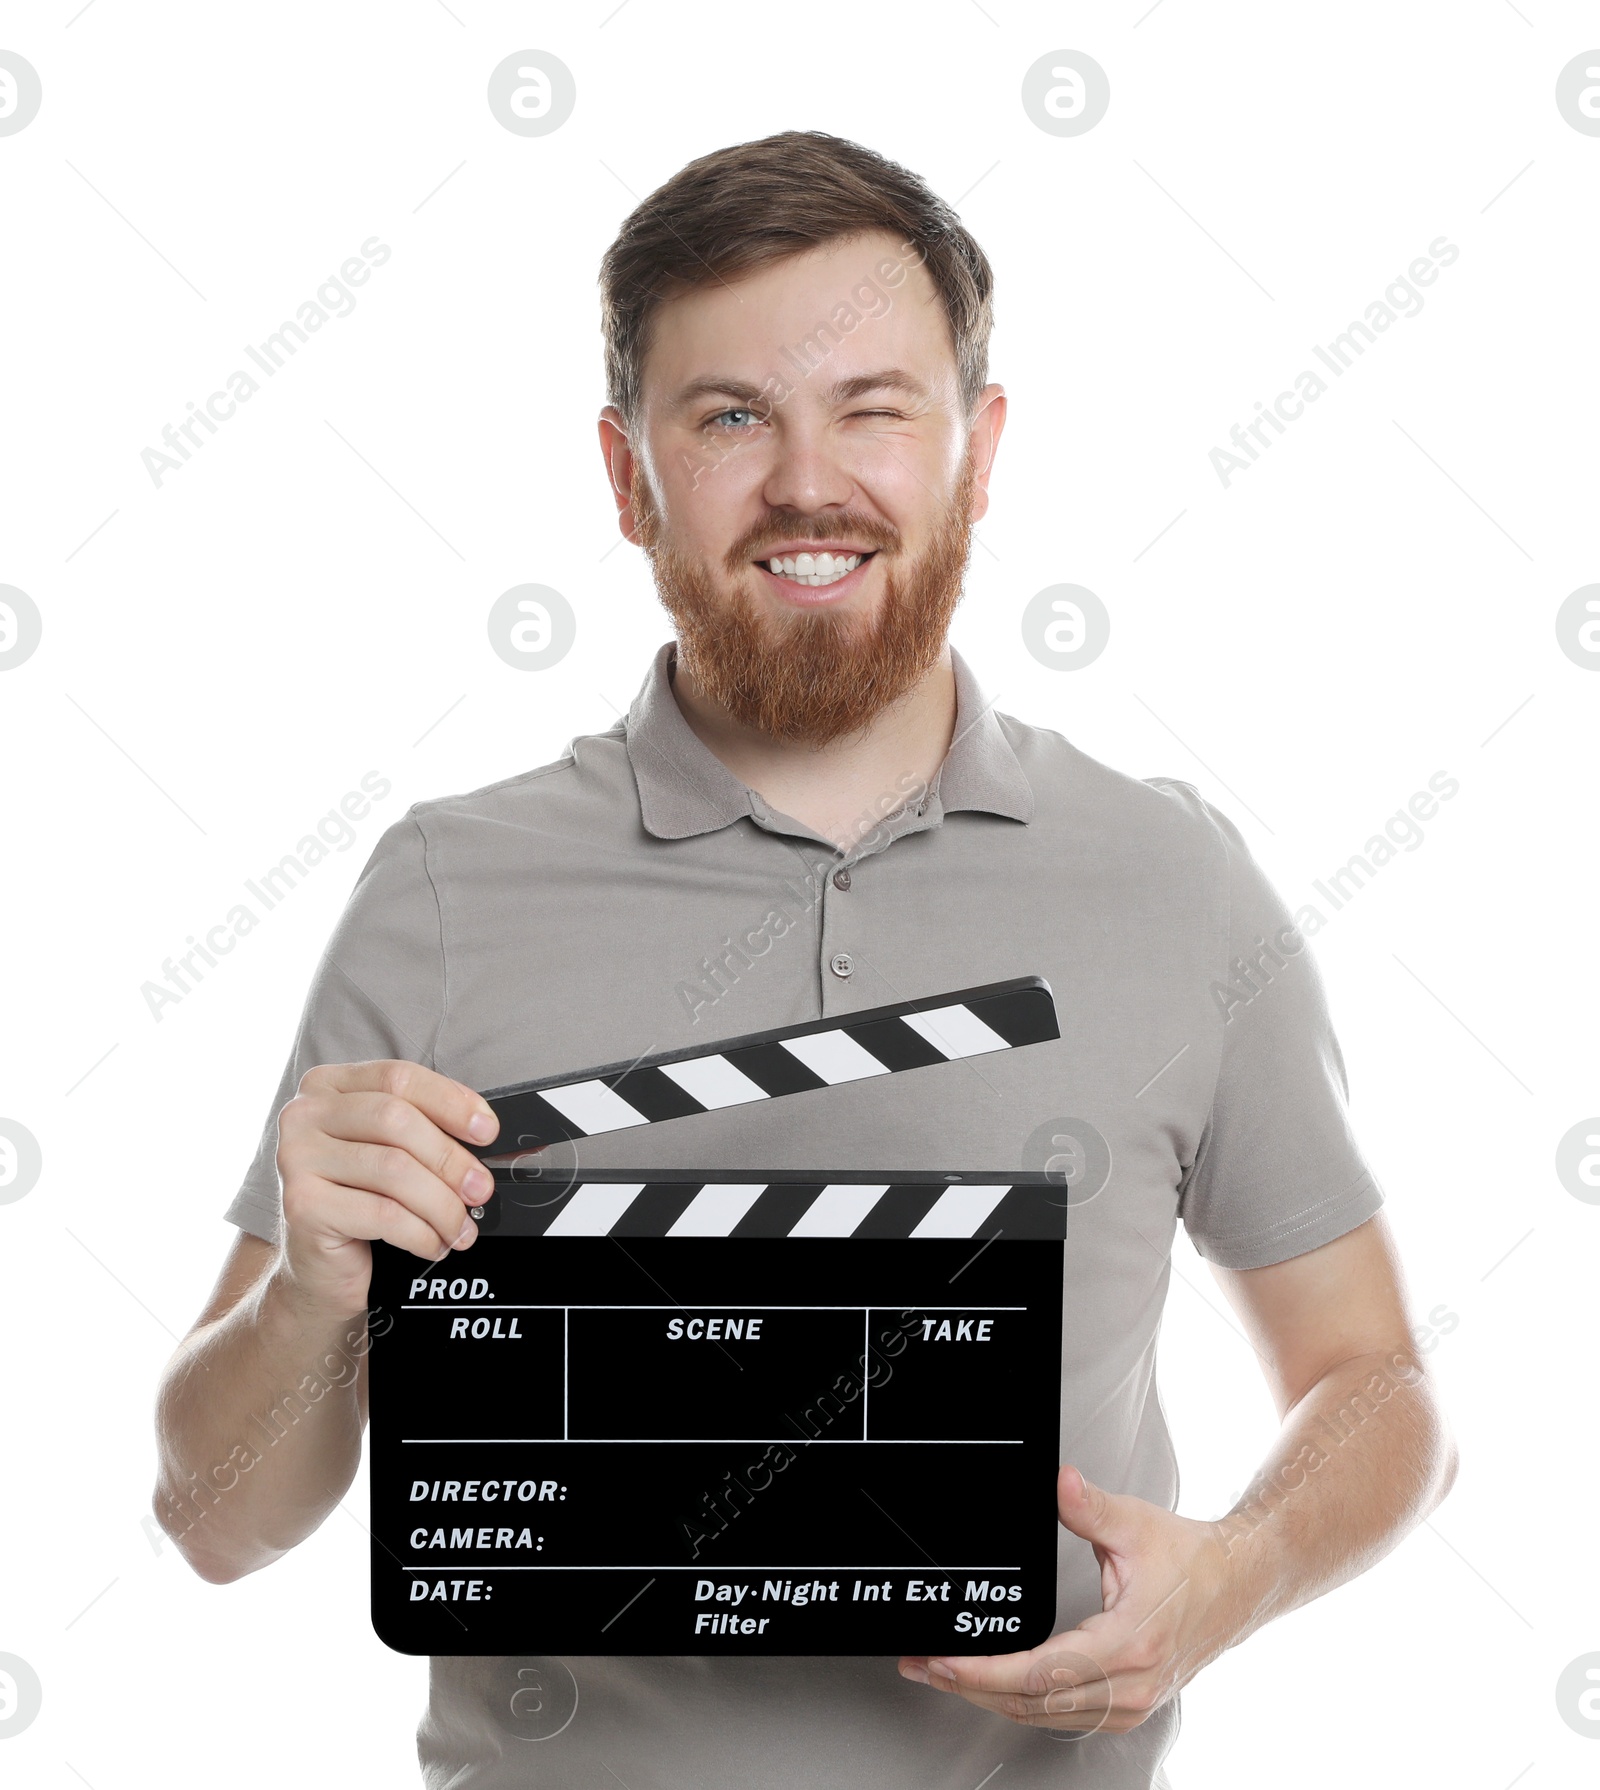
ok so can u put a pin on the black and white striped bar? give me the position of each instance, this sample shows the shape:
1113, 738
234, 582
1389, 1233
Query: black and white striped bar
766, 1065
1021, 1205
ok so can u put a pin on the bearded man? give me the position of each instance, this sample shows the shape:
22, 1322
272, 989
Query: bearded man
811, 810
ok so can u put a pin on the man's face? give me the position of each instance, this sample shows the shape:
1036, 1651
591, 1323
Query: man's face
810, 407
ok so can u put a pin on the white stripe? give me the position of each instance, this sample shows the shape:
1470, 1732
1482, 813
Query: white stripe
957, 1031
714, 1082
714, 1211
593, 1210
959, 1211
592, 1106
835, 1056
836, 1211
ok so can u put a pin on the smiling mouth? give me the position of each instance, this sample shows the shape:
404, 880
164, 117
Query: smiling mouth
815, 569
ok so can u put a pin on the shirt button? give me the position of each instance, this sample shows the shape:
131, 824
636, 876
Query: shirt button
841, 879
840, 963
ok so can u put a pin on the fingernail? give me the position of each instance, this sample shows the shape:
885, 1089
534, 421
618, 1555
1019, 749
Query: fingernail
914, 1673
468, 1231
940, 1670
481, 1125
478, 1182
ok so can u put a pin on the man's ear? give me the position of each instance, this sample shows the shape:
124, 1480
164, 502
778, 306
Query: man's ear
617, 452
983, 443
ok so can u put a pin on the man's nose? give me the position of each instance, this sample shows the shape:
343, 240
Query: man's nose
807, 474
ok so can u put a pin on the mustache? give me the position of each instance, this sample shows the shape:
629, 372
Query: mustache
814, 531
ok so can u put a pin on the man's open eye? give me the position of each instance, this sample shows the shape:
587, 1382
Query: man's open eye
740, 410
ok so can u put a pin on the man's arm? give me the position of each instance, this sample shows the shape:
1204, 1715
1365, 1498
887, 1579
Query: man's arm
1364, 1454
261, 1408
1363, 1437
249, 1464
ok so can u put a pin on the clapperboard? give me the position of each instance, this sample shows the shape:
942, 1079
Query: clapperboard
730, 1412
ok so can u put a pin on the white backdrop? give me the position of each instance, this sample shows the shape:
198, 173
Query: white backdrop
225, 653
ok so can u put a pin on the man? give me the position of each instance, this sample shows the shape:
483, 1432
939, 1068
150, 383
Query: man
810, 810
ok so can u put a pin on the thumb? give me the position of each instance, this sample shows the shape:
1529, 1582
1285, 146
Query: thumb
1088, 1512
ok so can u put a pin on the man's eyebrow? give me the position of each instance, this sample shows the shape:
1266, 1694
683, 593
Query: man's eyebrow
727, 385
891, 379
715, 385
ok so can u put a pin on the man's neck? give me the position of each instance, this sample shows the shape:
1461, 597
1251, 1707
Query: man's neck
841, 790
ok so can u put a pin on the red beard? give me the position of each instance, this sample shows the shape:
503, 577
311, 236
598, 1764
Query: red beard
818, 676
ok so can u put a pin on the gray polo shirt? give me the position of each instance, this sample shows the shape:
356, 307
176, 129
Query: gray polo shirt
634, 896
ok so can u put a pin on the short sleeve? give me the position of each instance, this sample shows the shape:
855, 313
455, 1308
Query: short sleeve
378, 991
1277, 1170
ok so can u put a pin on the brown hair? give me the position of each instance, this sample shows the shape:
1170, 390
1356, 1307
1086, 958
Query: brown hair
752, 204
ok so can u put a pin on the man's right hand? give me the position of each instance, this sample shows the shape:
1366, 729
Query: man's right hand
368, 1150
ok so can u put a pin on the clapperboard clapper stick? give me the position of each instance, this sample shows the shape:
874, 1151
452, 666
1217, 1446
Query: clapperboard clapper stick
767, 1065
727, 1412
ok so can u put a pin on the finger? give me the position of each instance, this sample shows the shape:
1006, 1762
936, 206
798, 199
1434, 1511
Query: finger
997, 1674
374, 1217
1107, 1519
1085, 1707
1067, 1690
1034, 1672
372, 1167
373, 1117
1069, 1708
452, 1105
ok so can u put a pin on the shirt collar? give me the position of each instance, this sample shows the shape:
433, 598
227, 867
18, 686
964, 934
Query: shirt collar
684, 788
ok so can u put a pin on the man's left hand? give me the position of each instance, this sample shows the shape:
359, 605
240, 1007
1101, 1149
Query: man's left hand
1172, 1604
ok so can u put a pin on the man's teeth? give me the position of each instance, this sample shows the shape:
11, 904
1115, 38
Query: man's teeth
814, 568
